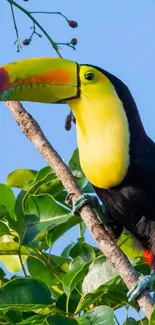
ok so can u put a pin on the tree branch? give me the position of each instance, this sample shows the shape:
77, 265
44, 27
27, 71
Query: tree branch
116, 257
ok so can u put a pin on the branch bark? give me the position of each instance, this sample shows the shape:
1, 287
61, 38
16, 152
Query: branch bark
116, 257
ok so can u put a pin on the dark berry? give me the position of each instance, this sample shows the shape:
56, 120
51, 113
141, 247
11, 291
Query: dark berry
26, 41
74, 41
72, 23
68, 122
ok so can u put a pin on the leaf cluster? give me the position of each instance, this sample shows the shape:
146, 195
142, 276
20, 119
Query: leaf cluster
77, 287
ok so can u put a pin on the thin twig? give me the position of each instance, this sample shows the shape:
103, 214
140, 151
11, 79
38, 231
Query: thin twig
39, 26
49, 13
116, 257
16, 29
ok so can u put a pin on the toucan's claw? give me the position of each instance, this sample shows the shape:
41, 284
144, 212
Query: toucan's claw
145, 282
93, 201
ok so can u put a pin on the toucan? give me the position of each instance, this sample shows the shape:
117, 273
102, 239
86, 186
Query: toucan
116, 154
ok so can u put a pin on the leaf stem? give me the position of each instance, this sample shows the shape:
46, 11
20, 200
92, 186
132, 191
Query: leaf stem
27, 13
21, 262
116, 320
67, 304
44, 260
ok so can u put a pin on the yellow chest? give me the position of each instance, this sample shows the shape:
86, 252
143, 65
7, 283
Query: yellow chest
103, 140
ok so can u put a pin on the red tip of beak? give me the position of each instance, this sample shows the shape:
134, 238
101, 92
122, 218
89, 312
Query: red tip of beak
4, 79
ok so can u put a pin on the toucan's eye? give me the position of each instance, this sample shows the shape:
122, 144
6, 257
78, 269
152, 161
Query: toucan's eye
89, 76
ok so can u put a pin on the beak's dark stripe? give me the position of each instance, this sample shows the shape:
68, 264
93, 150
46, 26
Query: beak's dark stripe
78, 87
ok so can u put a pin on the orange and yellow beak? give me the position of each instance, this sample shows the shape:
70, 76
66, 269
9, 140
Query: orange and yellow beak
46, 80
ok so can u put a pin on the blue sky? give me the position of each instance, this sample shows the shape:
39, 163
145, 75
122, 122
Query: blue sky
118, 36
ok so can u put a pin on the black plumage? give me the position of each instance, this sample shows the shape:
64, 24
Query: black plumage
131, 204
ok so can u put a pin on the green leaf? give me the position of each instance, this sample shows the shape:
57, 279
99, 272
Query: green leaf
19, 206
53, 187
83, 250
14, 316
66, 251
2, 273
75, 274
44, 274
48, 210
82, 228
143, 321
73, 301
99, 315
19, 177
57, 260
152, 319
88, 188
44, 172
32, 229
4, 230
58, 231
61, 197
43, 212
74, 165
7, 199
44, 176
33, 320
24, 293
100, 272
104, 294
3, 211
60, 320
9, 255
128, 245
130, 321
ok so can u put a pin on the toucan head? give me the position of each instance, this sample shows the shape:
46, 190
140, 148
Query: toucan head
55, 80
50, 80
106, 114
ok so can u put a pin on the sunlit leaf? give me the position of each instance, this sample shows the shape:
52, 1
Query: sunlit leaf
9, 253
129, 246
53, 187
19, 177
100, 272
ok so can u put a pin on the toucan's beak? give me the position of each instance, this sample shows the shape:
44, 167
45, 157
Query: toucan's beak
46, 80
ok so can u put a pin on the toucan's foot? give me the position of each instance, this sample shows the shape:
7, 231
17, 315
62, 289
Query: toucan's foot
145, 282
93, 201
83, 200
